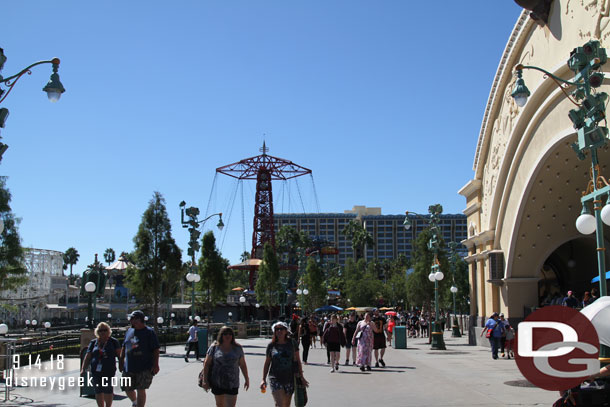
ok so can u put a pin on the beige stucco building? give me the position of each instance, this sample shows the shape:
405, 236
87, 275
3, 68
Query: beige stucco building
524, 197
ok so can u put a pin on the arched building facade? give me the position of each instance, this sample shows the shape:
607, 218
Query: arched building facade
524, 198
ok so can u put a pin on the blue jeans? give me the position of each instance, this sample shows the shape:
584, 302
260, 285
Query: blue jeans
495, 344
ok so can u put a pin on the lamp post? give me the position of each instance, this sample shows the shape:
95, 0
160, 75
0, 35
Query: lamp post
436, 275
90, 289
585, 62
193, 225
242, 301
193, 278
53, 88
452, 259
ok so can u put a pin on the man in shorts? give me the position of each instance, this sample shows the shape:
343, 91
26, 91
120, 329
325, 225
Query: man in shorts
349, 329
140, 353
379, 338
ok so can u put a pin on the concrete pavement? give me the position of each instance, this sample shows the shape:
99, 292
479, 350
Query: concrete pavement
460, 376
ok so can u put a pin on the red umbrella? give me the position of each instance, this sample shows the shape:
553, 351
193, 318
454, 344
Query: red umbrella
391, 313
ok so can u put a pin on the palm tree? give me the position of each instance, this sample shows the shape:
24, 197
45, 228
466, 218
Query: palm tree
109, 256
359, 237
71, 258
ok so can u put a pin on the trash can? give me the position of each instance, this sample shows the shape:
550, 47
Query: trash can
399, 339
202, 337
86, 335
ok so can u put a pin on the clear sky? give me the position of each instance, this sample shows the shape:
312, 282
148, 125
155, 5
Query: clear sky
383, 100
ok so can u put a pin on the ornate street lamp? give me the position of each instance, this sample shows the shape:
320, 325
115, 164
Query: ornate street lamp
90, 289
452, 259
436, 275
585, 62
242, 302
53, 88
3, 329
193, 278
193, 225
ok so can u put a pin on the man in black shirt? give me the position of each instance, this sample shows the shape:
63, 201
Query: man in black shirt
379, 338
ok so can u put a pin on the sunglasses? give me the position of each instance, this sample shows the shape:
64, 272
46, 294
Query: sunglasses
227, 333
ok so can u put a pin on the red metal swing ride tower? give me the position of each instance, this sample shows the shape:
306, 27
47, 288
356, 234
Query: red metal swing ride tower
263, 168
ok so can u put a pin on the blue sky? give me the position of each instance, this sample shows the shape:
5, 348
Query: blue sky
382, 100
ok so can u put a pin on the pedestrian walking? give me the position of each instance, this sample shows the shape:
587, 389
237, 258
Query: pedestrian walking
304, 334
281, 365
505, 324
349, 329
222, 364
510, 338
140, 358
379, 344
493, 331
390, 328
192, 342
334, 338
364, 336
102, 354
313, 331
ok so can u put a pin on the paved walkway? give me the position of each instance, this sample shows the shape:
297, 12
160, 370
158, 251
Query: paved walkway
460, 376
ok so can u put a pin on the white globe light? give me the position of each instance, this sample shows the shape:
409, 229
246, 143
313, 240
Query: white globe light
299, 291
159, 320
197, 278
190, 317
27, 322
146, 318
109, 315
197, 318
242, 299
431, 277
190, 278
90, 287
230, 314
586, 224
306, 291
173, 315
3, 329
257, 305
520, 100
47, 324
606, 214
34, 322
297, 304
454, 289
439, 275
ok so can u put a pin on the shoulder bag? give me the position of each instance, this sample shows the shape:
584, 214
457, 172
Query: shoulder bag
201, 378
300, 391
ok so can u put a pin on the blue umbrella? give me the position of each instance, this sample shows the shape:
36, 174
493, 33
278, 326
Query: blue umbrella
329, 308
596, 279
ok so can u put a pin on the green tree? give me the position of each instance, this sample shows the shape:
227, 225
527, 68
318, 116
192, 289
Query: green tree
109, 256
315, 283
362, 286
71, 258
359, 237
288, 242
213, 271
244, 256
12, 268
420, 290
157, 258
268, 279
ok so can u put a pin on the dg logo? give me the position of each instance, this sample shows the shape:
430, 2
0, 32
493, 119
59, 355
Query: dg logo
557, 348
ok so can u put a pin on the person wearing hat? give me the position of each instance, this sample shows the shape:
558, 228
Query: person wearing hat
282, 355
493, 331
140, 358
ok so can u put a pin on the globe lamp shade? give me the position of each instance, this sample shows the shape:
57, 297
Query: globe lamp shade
586, 224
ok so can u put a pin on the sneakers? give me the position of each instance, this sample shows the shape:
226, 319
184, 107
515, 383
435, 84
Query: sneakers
368, 368
376, 364
362, 368
332, 370
354, 363
186, 359
347, 363
382, 362
337, 366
